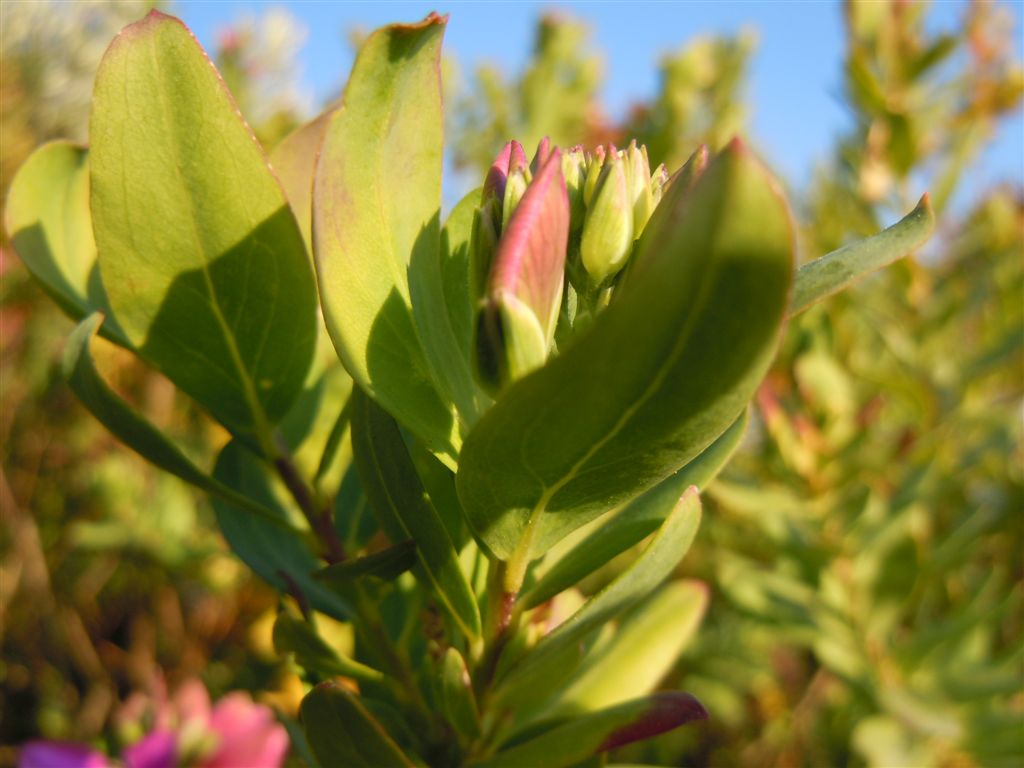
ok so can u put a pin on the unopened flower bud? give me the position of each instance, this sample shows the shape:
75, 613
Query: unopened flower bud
594, 164
638, 177
608, 230
518, 180
518, 313
574, 171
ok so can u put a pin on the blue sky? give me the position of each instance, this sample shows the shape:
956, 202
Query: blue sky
793, 90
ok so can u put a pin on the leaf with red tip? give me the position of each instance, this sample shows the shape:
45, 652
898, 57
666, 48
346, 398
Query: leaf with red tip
578, 739
376, 229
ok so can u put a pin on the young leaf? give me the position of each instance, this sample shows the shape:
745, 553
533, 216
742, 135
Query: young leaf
295, 636
397, 495
376, 203
642, 651
834, 271
544, 664
659, 375
342, 732
455, 237
282, 559
201, 256
457, 697
388, 564
137, 433
294, 160
47, 219
636, 521
600, 731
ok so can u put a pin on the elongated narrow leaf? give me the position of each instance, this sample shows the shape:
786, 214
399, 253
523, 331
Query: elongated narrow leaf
834, 271
137, 433
600, 731
397, 495
659, 375
47, 219
455, 237
643, 650
376, 203
388, 564
294, 161
543, 667
201, 256
457, 696
295, 636
283, 559
343, 733
637, 520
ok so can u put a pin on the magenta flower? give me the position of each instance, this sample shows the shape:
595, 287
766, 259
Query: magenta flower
248, 736
60, 754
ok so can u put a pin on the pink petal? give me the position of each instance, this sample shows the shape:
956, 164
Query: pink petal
156, 750
530, 261
249, 736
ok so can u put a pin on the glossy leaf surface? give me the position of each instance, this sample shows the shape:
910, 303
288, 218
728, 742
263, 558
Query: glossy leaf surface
343, 733
659, 375
295, 636
376, 204
201, 256
48, 221
831, 273
544, 664
636, 521
643, 650
405, 512
599, 731
135, 431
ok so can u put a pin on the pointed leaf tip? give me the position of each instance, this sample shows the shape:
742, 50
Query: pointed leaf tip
668, 711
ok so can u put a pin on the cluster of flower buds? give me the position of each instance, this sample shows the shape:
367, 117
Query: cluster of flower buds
539, 220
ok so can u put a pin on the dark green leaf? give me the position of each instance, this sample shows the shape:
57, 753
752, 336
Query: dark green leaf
658, 376
48, 221
282, 559
137, 433
834, 271
376, 203
544, 665
404, 509
636, 521
295, 636
201, 256
388, 564
600, 731
343, 733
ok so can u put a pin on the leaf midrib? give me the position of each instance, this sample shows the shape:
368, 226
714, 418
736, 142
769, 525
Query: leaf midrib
248, 389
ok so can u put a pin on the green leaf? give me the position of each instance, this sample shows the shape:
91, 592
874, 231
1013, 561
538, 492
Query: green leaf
201, 256
343, 733
659, 375
834, 271
544, 666
294, 160
600, 731
376, 203
640, 654
388, 564
455, 237
137, 433
282, 559
457, 697
48, 221
405, 512
636, 521
312, 653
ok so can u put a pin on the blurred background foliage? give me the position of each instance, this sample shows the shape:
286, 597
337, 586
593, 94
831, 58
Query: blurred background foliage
865, 549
